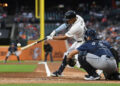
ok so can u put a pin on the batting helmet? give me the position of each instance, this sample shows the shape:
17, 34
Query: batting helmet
90, 33
69, 15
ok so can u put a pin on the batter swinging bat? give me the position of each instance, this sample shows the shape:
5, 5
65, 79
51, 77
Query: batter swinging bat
27, 46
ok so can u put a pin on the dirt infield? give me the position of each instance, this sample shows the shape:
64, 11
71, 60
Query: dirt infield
70, 75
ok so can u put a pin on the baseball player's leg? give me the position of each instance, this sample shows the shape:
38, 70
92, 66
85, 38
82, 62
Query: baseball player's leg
18, 58
46, 54
104, 63
76, 45
111, 72
107, 64
64, 63
92, 75
116, 55
8, 54
112, 76
61, 68
77, 62
51, 58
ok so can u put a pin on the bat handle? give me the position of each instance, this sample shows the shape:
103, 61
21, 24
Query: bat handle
41, 40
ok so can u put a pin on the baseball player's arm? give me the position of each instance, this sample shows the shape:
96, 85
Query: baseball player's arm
69, 34
71, 54
60, 37
107, 44
60, 28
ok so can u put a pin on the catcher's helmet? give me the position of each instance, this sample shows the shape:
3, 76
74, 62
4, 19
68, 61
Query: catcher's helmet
90, 33
69, 15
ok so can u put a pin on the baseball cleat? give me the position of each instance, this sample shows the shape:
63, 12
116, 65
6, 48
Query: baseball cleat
55, 74
96, 77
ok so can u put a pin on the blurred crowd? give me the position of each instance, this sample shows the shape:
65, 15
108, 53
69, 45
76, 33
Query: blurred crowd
3, 16
105, 20
29, 31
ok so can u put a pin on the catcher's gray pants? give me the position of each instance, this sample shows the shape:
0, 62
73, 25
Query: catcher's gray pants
9, 53
105, 63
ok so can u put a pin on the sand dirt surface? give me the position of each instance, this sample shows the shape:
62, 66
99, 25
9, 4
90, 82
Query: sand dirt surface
70, 75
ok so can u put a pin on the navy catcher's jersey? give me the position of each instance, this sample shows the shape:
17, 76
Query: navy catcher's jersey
96, 47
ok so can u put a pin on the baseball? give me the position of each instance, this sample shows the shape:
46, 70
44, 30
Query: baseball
18, 44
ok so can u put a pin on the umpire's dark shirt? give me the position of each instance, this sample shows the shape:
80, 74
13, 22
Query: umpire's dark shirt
48, 48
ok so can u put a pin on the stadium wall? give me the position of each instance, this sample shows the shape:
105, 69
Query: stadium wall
34, 52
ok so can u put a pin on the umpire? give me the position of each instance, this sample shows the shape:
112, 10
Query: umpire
12, 50
48, 50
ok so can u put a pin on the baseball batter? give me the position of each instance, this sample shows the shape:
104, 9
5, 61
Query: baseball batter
76, 26
95, 54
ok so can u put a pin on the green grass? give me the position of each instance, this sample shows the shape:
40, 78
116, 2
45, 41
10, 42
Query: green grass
20, 61
17, 68
63, 84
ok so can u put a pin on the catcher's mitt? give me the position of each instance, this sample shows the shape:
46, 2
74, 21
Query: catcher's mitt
71, 62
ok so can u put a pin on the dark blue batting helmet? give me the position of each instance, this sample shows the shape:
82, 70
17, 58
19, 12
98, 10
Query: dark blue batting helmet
69, 15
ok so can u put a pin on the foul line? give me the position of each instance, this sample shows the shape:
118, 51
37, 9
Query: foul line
46, 68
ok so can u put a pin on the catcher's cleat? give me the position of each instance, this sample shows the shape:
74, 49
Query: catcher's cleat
95, 77
115, 76
55, 74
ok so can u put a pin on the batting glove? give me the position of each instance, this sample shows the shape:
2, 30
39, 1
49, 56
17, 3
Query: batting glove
53, 33
49, 37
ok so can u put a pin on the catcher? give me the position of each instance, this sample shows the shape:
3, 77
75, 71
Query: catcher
95, 54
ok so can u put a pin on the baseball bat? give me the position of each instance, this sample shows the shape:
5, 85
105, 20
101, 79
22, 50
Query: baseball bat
27, 46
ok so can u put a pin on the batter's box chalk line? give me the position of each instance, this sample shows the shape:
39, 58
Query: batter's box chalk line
46, 68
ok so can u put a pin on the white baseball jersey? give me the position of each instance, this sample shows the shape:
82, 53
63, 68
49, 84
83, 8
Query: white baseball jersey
76, 31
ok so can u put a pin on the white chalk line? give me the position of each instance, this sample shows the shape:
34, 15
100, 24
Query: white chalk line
46, 68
